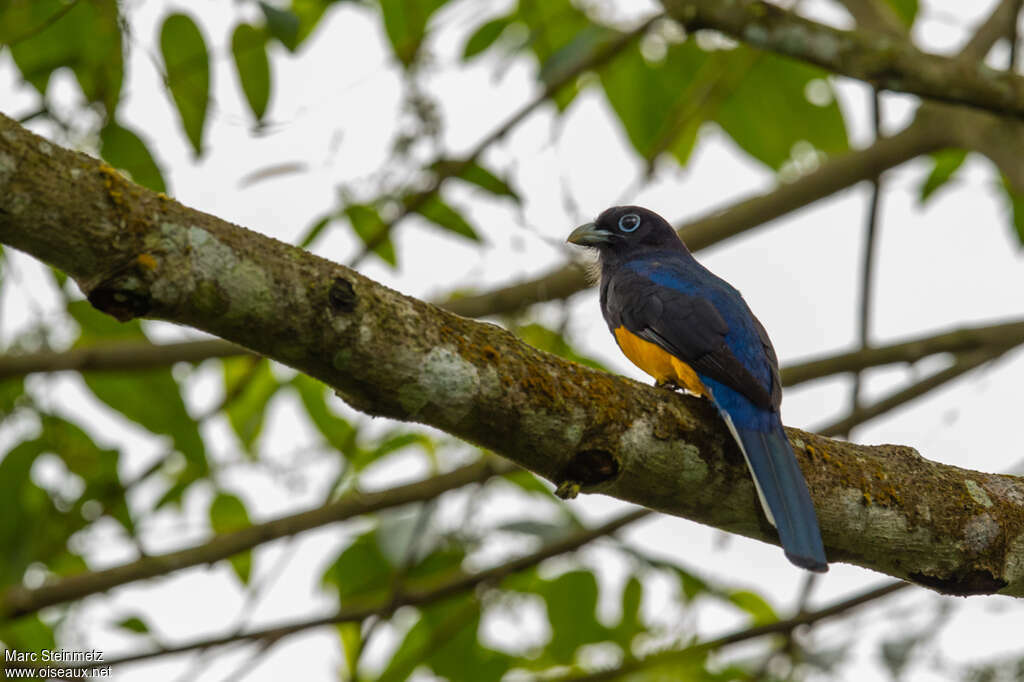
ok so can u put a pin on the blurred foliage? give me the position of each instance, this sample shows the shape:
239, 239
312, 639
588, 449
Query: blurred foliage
60, 479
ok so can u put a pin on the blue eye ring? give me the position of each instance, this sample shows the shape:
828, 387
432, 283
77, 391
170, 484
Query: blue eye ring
629, 222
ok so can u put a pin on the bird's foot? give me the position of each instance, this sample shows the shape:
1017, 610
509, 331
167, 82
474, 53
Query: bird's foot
568, 490
668, 384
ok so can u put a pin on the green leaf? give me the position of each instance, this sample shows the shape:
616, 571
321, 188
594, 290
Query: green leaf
553, 25
249, 384
945, 163
32, 528
767, 122
661, 105
360, 571
477, 175
587, 42
336, 431
529, 482
151, 398
368, 224
282, 24
133, 624
352, 644
313, 231
541, 337
309, 13
249, 48
905, 10
1015, 203
405, 22
228, 514
125, 150
571, 600
445, 638
27, 633
691, 585
761, 611
441, 214
11, 391
485, 36
393, 441
631, 624
187, 65
45, 35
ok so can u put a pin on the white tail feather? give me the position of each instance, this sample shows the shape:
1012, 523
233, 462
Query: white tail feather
757, 485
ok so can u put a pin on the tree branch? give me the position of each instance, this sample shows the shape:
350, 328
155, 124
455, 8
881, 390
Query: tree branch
741, 635
136, 253
116, 356
359, 612
963, 364
1004, 335
18, 601
875, 16
885, 62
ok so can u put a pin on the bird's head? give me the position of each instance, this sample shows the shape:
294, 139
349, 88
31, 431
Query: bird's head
625, 229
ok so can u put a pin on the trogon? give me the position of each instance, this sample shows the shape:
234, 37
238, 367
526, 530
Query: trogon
690, 329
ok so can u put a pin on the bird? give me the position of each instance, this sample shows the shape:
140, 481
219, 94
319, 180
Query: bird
689, 329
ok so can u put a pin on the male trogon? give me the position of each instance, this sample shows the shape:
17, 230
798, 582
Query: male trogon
690, 329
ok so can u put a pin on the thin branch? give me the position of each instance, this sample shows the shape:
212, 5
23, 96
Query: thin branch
964, 363
875, 16
958, 341
741, 635
18, 601
455, 168
456, 586
116, 356
995, 27
878, 59
868, 266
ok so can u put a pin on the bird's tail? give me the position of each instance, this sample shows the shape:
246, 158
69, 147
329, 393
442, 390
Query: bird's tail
783, 492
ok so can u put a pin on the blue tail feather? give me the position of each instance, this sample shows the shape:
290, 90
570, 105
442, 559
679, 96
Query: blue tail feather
783, 492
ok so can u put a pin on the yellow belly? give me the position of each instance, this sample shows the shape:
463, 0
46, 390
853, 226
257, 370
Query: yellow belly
660, 364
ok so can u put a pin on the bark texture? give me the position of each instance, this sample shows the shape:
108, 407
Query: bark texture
139, 254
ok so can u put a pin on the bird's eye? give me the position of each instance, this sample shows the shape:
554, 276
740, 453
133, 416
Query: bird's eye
629, 222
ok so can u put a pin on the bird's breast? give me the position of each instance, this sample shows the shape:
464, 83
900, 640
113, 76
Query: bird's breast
659, 363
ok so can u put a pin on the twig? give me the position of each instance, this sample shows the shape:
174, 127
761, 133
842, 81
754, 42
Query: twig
868, 267
18, 601
451, 588
741, 635
957, 341
965, 363
117, 356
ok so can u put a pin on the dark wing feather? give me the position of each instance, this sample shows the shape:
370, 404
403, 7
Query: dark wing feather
688, 327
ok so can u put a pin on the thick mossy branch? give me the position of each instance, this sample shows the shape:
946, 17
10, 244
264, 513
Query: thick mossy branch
138, 254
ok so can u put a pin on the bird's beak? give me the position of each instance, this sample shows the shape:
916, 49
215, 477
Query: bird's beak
588, 235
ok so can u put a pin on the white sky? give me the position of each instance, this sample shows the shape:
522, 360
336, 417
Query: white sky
332, 109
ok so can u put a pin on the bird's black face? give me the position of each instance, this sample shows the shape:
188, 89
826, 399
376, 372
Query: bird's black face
622, 229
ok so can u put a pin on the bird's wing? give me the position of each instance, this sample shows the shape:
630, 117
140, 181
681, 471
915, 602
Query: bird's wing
691, 328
